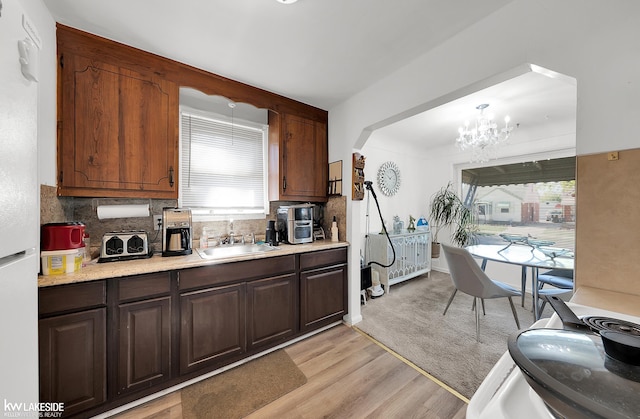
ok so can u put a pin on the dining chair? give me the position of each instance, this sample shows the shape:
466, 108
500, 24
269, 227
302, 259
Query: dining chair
559, 278
469, 278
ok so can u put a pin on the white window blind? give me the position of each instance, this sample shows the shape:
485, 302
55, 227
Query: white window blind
222, 165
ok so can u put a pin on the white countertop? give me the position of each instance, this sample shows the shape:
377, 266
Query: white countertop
94, 270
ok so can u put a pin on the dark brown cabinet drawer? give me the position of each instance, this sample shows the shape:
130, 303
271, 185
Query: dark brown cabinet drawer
73, 297
144, 286
236, 271
323, 258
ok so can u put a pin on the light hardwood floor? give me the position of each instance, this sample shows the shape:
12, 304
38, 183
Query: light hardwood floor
349, 375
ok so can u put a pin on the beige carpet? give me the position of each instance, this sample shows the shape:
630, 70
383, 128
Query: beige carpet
240, 391
409, 321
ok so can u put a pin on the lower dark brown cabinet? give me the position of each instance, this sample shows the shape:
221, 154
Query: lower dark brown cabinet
144, 344
323, 291
73, 359
141, 329
272, 310
105, 343
212, 326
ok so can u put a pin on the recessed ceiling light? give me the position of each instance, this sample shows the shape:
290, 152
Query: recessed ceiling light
286, 1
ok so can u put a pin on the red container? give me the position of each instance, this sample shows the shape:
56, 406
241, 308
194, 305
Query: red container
62, 236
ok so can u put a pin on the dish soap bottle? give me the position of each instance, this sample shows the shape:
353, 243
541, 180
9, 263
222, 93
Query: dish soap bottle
334, 230
204, 238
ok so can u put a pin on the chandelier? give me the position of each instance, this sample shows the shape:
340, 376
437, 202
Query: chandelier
485, 137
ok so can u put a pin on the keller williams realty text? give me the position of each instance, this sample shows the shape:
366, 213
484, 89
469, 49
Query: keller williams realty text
43, 410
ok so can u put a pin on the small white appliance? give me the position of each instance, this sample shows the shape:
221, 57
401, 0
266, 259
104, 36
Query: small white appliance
376, 289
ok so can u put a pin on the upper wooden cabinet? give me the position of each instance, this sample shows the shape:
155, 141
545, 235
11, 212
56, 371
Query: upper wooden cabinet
118, 117
118, 131
298, 159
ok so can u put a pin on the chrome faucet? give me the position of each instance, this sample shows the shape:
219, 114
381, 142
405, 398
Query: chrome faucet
231, 238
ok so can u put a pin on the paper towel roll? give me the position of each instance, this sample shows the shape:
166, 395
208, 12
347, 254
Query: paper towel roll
122, 211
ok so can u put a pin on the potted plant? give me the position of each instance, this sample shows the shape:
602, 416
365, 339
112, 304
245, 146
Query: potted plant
448, 210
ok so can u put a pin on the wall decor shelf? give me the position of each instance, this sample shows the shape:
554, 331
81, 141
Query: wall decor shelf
357, 185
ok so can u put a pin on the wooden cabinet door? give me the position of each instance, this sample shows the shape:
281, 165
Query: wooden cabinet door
144, 344
212, 326
305, 165
298, 159
323, 294
272, 310
73, 360
119, 132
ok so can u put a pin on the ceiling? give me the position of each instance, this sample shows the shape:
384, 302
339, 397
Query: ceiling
541, 105
318, 52
321, 52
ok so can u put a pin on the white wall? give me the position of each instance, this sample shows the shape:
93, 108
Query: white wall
590, 40
411, 198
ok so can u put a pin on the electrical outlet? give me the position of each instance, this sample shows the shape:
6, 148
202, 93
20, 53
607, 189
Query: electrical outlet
157, 222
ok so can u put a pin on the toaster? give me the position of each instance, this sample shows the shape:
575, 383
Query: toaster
124, 245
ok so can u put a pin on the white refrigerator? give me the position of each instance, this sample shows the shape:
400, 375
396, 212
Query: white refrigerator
19, 213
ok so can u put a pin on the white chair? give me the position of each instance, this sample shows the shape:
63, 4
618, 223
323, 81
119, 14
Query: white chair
469, 278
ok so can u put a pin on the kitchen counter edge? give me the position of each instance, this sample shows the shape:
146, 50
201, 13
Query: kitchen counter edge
94, 271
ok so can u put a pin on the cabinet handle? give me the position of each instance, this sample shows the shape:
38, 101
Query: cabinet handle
284, 183
171, 176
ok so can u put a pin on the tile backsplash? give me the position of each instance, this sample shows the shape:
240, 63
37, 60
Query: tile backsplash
56, 209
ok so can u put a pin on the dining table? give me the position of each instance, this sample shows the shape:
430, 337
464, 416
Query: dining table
525, 256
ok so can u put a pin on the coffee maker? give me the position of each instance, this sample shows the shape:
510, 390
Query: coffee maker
176, 231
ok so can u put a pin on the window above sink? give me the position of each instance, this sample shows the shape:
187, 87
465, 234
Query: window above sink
223, 164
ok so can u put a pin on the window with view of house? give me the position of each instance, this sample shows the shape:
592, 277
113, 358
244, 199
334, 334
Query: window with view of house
223, 165
535, 199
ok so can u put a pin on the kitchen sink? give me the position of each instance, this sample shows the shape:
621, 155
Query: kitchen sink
231, 250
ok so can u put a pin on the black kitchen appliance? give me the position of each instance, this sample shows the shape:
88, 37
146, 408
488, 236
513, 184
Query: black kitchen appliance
271, 234
295, 223
177, 237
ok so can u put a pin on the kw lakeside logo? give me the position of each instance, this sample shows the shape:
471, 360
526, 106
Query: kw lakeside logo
40, 410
